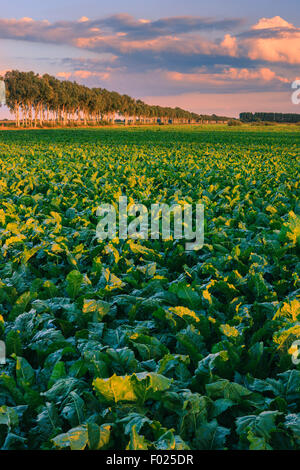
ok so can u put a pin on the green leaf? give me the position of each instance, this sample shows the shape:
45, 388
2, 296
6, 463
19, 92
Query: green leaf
170, 442
262, 425
98, 436
228, 390
211, 436
221, 405
136, 442
115, 389
24, 372
97, 308
134, 419
188, 315
131, 388
292, 422
78, 438
74, 409
58, 372
255, 354
14, 442
21, 305
258, 443
75, 439
74, 281
62, 389
148, 347
186, 293
9, 417
13, 343
48, 424
192, 342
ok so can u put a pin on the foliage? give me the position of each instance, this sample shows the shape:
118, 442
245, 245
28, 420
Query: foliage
234, 123
141, 345
270, 117
45, 100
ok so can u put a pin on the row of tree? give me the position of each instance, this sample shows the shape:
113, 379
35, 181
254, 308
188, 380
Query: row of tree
35, 100
270, 117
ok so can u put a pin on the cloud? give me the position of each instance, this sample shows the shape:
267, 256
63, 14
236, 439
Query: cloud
42, 31
83, 19
272, 40
282, 48
66, 31
226, 80
230, 45
229, 74
83, 75
64, 75
182, 52
147, 29
163, 83
270, 23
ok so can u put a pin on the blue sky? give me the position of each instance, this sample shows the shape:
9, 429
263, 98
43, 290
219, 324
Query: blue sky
73, 9
207, 56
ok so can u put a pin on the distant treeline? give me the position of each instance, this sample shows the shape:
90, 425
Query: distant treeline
36, 100
269, 117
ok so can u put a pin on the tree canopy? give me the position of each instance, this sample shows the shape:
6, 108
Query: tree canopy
270, 117
36, 99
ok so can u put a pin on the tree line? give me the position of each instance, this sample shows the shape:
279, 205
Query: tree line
36, 100
270, 117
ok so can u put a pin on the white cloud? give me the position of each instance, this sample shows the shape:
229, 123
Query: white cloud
275, 22
83, 19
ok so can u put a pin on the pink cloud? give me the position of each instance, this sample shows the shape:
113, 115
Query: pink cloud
275, 22
228, 75
285, 48
118, 34
230, 45
64, 75
83, 19
168, 47
83, 74
120, 43
281, 44
87, 74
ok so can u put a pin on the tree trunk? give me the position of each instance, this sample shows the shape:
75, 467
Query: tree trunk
17, 113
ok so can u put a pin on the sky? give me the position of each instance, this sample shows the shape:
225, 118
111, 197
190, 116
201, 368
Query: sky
216, 56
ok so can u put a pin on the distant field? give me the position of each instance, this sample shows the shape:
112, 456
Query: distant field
140, 345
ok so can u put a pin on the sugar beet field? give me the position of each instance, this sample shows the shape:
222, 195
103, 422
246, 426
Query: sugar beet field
126, 344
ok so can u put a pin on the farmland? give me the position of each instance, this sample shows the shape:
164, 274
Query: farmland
140, 344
